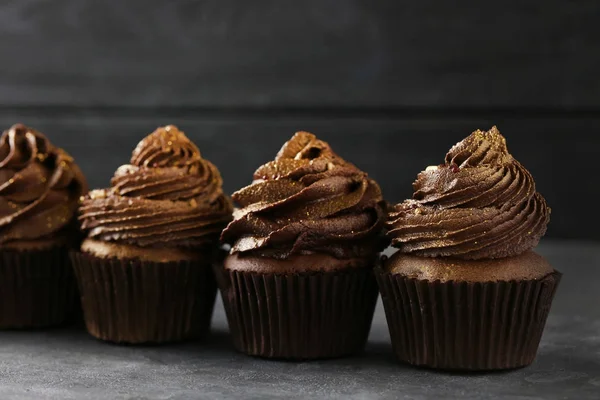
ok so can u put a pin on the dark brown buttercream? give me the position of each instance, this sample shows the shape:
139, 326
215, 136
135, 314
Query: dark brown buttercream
308, 200
40, 187
482, 203
168, 196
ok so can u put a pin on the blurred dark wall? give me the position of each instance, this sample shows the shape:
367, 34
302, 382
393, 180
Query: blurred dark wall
391, 84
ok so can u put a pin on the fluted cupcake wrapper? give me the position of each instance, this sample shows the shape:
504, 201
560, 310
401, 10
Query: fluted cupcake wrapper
466, 326
37, 288
299, 316
133, 301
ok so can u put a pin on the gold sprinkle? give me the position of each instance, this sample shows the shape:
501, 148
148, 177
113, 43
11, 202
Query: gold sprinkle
43, 179
170, 143
97, 194
11, 180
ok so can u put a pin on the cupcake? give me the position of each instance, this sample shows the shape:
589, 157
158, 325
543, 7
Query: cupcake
465, 290
40, 186
144, 270
298, 282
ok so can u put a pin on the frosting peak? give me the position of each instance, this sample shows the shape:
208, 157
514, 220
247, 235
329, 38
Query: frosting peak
481, 203
40, 186
303, 152
306, 146
165, 147
308, 200
480, 148
21, 145
169, 196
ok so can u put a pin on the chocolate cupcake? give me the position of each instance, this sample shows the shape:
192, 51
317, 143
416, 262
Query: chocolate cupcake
465, 290
299, 281
144, 270
40, 186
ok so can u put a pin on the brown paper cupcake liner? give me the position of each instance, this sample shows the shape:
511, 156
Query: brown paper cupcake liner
37, 288
133, 301
466, 326
299, 316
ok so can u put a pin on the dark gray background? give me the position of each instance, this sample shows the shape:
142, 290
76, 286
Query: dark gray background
391, 84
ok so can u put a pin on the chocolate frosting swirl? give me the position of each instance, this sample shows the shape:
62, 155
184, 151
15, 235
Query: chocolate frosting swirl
40, 186
482, 203
168, 196
308, 200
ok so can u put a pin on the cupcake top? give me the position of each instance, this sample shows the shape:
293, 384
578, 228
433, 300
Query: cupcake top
40, 186
168, 196
308, 200
480, 204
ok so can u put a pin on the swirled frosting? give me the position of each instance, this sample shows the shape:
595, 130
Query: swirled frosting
168, 196
482, 203
40, 186
308, 200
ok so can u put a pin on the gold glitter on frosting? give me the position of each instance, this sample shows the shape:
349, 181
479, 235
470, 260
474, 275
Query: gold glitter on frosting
166, 147
169, 196
481, 203
308, 200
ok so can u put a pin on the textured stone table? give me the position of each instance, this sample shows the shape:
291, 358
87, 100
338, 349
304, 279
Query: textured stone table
67, 364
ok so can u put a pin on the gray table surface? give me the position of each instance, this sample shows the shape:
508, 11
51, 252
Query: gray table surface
66, 363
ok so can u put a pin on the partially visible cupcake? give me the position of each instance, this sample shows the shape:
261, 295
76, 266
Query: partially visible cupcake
40, 186
144, 270
299, 281
465, 290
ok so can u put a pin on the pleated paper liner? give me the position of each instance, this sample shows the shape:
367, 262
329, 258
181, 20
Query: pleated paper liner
136, 302
299, 316
37, 288
466, 326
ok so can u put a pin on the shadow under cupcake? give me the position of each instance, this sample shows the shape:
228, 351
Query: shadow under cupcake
465, 291
144, 270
